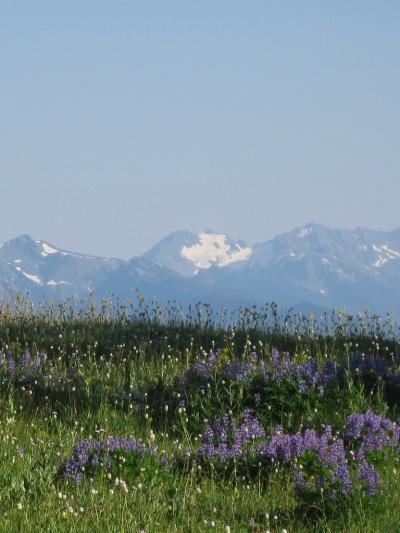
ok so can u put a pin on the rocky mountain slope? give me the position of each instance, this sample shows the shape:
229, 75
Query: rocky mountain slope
308, 266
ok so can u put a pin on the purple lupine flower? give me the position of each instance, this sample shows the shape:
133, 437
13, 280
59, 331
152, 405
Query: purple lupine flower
257, 399
307, 375
37, 362
298, 476
205, 368
225, 440
94, 460
238, 371
25, 361
281, 367
342, 475
11, 365
371, 432
286, 449
368, 474
73, 470
94, 453
249, 429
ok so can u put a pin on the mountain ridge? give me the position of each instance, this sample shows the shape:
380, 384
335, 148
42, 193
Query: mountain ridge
312, 264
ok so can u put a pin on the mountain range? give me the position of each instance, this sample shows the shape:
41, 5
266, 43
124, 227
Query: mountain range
312, 267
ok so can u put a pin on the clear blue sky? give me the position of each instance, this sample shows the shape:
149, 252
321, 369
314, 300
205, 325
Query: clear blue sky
121, 121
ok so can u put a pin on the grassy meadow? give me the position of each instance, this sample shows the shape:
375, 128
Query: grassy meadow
150, 420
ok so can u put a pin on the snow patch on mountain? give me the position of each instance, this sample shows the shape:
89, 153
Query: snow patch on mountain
33, 278
380, 261
214, 249
304, 232
48, 250
385, 254
390, 251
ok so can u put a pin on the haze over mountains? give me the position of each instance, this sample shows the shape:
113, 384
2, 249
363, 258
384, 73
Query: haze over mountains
312, 267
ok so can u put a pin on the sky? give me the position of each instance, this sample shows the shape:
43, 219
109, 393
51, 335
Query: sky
121, 121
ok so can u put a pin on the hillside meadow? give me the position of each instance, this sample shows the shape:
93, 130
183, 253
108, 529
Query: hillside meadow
144, 419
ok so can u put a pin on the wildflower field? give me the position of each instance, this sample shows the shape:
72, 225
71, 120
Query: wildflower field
150, 420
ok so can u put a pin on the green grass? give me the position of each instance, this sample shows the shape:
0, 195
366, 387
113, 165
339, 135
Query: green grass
114, 356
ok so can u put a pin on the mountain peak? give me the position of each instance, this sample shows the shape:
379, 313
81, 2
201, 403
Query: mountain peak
310, 228
187, 253
26, 244
21, 239
214, 249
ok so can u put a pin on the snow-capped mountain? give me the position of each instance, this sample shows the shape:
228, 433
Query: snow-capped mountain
43, 269
323, 266
187, 253
313, 266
